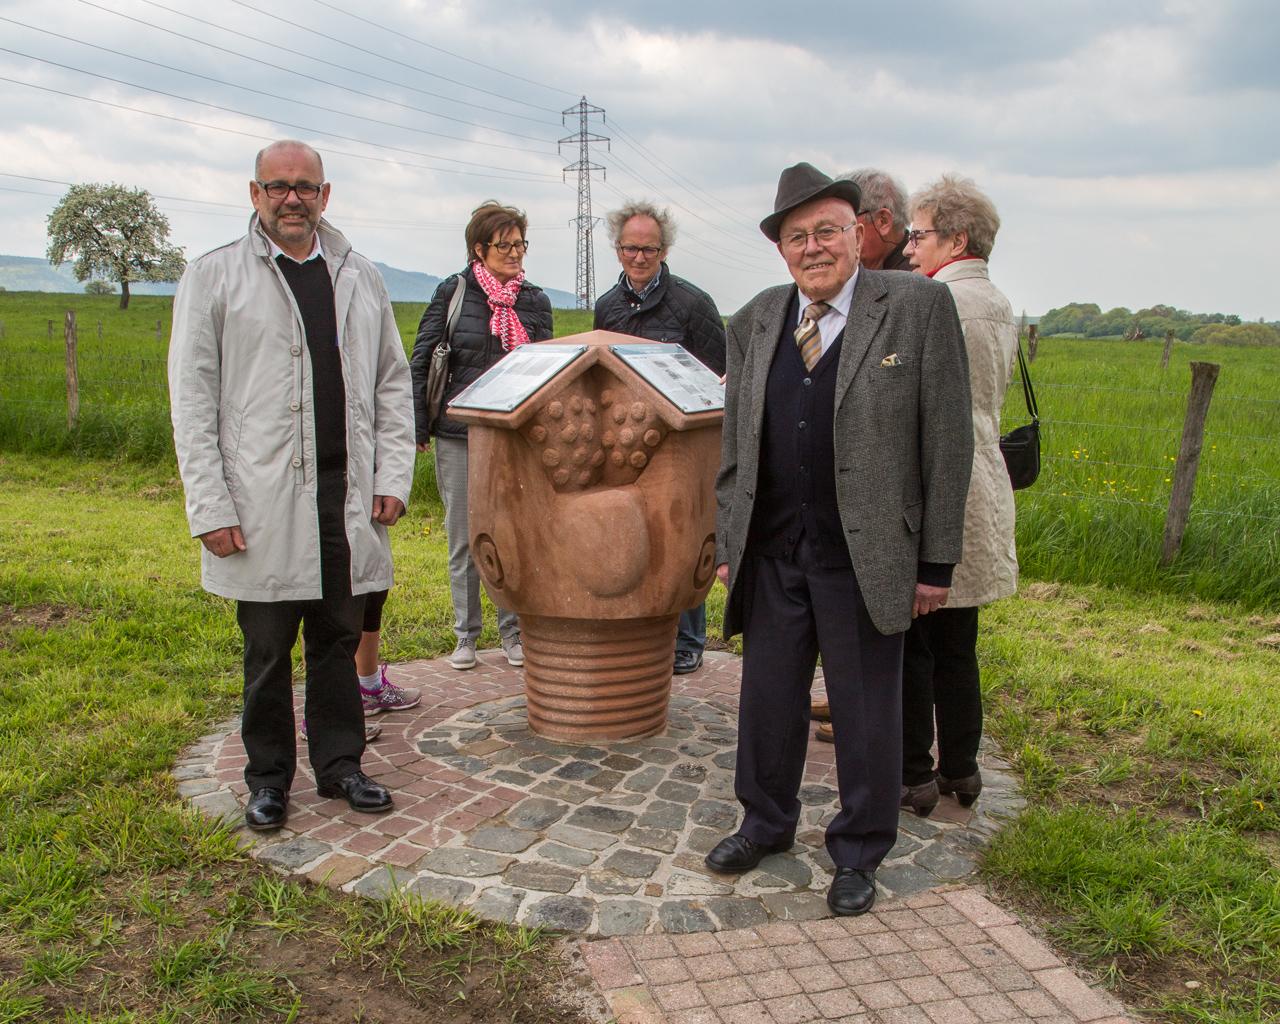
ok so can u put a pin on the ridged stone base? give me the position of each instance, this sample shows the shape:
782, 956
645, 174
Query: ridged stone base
590, 680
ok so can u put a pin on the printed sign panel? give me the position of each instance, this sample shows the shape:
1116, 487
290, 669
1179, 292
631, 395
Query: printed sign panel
516, 376
679, 376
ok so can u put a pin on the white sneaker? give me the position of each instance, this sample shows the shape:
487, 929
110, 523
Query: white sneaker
513, 649
464, 655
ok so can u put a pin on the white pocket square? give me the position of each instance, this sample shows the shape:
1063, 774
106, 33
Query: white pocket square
891, 360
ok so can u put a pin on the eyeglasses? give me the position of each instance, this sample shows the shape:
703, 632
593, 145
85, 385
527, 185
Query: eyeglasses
280, 189
913, 237
506, 247
632, 251
824, 235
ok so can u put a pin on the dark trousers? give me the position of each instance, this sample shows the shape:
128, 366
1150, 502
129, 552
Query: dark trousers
940, 677
335, 718
691, 633
792, 612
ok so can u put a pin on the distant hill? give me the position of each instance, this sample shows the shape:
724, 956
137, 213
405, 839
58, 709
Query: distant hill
31, 274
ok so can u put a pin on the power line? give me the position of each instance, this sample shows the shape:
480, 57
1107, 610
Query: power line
268, 138
532, 176
685, 235
630, 140
242, 210
262, 92
307, 56
674, 202
391, 60
441, 49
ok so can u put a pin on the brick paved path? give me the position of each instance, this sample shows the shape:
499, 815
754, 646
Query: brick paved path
607, 841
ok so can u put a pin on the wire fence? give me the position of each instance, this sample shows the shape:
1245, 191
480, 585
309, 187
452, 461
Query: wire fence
1116, 459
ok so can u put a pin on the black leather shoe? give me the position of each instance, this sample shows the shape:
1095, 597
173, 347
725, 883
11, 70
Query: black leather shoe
360, 791
266, 809
686, 662
738, 853
852, 892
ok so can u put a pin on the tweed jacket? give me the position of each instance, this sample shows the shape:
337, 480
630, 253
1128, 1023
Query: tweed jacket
903, 436
989, 568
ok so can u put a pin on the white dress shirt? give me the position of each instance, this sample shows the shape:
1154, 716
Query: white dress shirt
831, 326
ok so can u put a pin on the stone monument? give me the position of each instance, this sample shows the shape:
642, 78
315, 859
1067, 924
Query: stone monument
592, 515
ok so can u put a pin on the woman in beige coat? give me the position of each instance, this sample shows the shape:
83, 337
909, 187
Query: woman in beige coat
953, 228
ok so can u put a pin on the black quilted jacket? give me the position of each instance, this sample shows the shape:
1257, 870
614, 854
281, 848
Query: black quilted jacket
474, 349
674, 311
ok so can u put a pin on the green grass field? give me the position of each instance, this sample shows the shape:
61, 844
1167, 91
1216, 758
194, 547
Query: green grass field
1112, 421
1137, 705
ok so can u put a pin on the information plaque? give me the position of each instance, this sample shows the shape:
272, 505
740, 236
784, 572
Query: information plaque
677, 375
517, 376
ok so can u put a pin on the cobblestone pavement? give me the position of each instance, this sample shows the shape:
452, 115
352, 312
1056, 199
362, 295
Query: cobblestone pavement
607, 841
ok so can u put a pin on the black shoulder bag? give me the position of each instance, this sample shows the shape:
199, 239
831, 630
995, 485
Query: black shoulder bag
438, 370
1021, 446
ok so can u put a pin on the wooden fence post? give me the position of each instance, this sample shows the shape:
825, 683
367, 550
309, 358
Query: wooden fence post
73, 372
158, 325
1203, 378
1, 330
50, 329
99, 330
1168, 348
1033, 342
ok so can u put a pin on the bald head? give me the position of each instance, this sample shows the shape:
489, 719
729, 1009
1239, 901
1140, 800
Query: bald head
288, 147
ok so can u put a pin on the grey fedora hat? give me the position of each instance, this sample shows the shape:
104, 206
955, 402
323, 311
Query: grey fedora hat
799, 185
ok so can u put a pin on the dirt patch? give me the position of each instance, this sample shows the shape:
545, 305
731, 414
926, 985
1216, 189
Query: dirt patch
38, 616
335, 958
41, 617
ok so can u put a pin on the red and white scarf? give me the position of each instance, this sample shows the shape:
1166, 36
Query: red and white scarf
504, 323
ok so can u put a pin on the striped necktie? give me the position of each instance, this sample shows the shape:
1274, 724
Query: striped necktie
808, 337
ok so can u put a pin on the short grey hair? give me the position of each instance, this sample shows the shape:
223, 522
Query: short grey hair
881, 190
265, 151
617, 220
956, 204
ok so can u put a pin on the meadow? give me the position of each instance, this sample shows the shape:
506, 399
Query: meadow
1136, 704
1111, 421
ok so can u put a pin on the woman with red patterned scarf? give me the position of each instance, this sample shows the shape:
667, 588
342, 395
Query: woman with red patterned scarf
500, 311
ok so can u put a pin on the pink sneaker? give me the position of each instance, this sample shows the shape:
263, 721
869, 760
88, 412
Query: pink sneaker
388, 696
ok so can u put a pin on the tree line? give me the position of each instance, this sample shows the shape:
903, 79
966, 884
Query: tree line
1088, 320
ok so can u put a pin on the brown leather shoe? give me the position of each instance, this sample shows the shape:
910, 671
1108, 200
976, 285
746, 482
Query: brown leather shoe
820, 710
965, 790
825, 732
922, 798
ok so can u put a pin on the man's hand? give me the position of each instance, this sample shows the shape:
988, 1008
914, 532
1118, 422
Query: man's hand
386, 510
928, 599
223, 542
423, 446
722, 573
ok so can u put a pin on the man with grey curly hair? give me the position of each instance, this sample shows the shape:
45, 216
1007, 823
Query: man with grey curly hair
884, 216
652, 303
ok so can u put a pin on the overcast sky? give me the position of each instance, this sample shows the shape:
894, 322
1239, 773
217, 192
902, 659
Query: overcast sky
1131, 148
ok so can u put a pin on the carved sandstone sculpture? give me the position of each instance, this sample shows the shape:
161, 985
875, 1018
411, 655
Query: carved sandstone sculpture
592, 515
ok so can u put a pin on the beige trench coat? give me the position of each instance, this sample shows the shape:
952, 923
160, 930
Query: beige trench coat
989, 567
241, 398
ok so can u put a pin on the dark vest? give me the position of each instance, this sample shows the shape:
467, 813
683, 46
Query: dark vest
796, 488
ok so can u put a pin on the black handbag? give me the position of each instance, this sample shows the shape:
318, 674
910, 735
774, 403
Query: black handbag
1021, 446
438, 368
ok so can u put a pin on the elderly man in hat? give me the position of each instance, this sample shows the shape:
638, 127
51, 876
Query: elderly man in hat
847, 447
